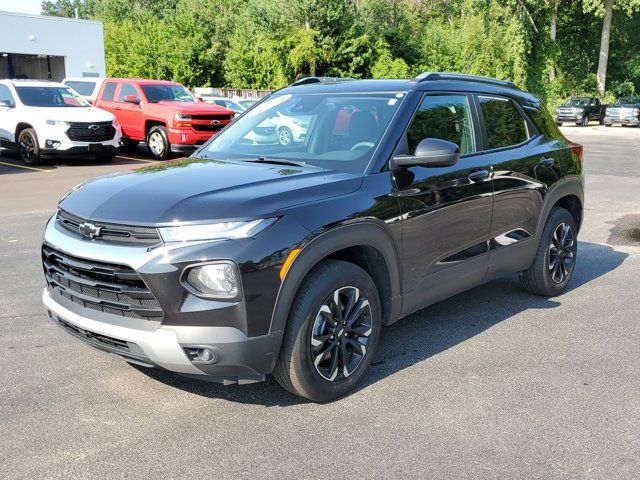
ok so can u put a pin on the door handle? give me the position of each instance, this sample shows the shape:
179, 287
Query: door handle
547, 162
478, 175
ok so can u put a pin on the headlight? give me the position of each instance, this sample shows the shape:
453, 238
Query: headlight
578, 110
214, 231
182, 116
218, 280
55, 122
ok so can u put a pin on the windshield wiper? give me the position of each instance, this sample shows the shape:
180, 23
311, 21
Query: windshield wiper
277, 161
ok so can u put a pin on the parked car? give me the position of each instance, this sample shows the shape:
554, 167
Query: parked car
163, 114
278, 129
248, 102
624, 111
47, 119
581, 111
86, 87
224, 102
247, 259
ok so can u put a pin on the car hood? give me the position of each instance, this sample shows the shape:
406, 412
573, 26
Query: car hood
196, 108
72, 114
201, 190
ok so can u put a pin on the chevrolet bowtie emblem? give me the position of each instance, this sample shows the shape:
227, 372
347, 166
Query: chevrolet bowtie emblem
89, 230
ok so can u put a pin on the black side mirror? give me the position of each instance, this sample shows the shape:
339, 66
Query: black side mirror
431, 152
6, 104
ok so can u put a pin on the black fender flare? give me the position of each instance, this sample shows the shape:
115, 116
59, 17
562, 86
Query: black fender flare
563, 188
366, 233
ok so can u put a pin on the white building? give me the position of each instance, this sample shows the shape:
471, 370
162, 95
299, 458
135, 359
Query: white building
39, 47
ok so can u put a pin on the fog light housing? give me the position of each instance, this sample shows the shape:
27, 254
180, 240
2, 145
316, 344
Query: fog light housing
200, 354
218, 280
51, 144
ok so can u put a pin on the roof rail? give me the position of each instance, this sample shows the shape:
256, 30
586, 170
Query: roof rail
325, 80
426, 76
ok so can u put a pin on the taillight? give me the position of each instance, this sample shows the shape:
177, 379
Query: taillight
578, 150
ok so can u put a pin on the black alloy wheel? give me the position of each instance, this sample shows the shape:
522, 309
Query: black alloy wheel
561, 254
340, 333
332, 332
555, 259
28, 147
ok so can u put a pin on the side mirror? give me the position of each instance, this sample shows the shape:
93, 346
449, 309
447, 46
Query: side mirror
6, 104
132, 99
430, 152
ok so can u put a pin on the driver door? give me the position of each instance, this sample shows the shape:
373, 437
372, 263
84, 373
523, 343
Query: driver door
446, 211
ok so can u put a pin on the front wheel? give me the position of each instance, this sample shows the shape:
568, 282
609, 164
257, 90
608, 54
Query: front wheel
158, 142
555, 260
28, 147
332, 332
285, 136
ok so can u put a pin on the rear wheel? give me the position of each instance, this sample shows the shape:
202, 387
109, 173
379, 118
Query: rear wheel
332, 332
555, 260
158, 142
28, 147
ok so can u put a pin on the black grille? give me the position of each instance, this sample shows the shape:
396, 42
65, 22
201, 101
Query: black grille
222, 118
105, 287
91, 132
111, 232
206, 128
93, 337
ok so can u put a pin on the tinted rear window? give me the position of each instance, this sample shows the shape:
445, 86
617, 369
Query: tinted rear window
544, 123
503, 123
82, 87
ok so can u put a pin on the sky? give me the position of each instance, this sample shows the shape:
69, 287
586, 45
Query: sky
21, 6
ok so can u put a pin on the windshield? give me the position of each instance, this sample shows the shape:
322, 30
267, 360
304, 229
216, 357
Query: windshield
627, 102
82, 87
333, 131
167, 93
50, 97
579, 102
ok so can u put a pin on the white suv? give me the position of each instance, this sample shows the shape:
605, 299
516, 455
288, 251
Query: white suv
47, 119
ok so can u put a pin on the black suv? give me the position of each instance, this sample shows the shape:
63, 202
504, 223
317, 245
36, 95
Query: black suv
252, 257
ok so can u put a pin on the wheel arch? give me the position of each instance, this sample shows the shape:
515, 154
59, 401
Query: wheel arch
568, 194
366, 244
149, 124
20, 127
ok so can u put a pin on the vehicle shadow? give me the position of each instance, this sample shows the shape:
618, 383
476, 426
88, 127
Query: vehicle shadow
123, 158
425, 333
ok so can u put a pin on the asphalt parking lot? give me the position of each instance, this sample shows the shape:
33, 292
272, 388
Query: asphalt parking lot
493, 383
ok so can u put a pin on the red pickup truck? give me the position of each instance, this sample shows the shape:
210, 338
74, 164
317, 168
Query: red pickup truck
163, 114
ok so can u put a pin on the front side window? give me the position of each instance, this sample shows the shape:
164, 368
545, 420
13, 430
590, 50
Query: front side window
167, 93
335, 131
445, 117
503, 123
50, 97
126, 89
5, 94
109, 92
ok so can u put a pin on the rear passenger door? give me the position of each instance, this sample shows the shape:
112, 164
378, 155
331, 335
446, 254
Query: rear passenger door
446, 211
522, 166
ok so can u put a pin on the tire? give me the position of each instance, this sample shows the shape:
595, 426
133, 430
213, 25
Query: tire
302, 367
285, 136
550, 273
28, 147
584, 121
601, 120
158, 142
608, 125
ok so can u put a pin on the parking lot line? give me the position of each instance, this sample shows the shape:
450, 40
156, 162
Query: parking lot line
136, 159
25, 167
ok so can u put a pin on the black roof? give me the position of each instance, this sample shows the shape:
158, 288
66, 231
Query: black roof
430, 81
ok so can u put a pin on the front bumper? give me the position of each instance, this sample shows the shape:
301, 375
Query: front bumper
238, 359
187, 137
621, 121
238, 332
